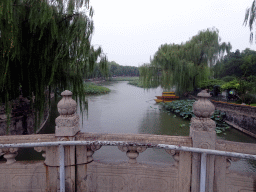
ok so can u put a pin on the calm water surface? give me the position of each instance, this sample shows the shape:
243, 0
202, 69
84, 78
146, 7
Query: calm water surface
129, 109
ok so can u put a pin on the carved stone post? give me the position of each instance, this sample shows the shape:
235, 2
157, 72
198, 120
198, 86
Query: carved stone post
67, 126
202, 131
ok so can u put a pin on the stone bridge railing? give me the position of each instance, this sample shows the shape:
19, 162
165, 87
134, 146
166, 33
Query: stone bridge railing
83, 174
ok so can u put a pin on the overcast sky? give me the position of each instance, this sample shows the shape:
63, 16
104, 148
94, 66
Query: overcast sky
131, 31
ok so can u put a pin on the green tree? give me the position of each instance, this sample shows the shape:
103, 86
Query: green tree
119, 70
250, 15
185, 65
45, 45
240, 65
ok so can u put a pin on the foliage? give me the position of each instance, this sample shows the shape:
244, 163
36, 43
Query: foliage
98, 71
186, 65
119, 70
136, 83
236, 64
112, 69
209, 84
245, 89
228, 78
124, 78
230, 85
150, 76
250, 15
92, 89
45, 46
247, 98
184, 109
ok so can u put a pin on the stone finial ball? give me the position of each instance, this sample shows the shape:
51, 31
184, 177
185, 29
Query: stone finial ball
67, 106
203, 107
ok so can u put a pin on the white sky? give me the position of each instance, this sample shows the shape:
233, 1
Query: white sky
131, 31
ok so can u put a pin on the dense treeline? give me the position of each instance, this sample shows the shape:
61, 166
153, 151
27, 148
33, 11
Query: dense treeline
236, 64
119, 70
112, 69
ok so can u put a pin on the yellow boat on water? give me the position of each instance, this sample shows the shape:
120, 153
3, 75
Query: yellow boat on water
166, 97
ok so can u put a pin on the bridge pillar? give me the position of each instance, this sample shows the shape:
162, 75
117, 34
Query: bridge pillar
67, 126
202, 131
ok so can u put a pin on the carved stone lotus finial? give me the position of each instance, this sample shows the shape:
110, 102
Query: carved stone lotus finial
67, 124
203, 108
66, 106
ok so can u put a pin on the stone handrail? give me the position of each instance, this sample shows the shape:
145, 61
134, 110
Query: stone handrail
140, 138
7, 139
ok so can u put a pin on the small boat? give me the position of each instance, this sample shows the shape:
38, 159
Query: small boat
166, 97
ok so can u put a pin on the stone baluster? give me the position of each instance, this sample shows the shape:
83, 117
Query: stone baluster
90, 151
132, 152
176, 156
41, 149
202, 132
9, 154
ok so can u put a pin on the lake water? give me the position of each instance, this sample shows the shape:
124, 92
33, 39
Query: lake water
130, 109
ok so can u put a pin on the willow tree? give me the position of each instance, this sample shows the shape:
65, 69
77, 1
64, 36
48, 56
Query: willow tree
250, 16
185, 65
45, 45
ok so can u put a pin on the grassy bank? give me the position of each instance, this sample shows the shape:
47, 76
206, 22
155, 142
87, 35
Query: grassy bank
124, 78
136, 83
92, 89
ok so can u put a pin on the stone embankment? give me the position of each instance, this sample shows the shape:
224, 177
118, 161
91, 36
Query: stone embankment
241, 117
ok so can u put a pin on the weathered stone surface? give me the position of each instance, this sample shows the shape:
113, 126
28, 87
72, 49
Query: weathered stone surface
126, 177
140, 138
67, 106
202, 131
67, 124
203, 108
23, 177
238, 182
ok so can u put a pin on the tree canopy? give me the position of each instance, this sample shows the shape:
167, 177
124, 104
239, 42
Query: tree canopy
237, 64
250, 16
45, 44
185, 65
